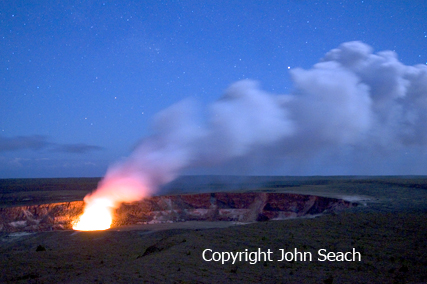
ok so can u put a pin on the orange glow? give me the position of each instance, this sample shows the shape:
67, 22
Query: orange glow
96, 216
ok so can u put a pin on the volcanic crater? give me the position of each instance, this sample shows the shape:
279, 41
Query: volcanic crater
220, 206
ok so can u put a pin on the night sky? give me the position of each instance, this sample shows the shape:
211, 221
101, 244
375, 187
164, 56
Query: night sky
82, 82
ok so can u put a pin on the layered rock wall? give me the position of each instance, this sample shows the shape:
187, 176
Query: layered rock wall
241, 207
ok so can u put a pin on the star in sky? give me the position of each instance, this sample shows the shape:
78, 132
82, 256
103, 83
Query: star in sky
83, 73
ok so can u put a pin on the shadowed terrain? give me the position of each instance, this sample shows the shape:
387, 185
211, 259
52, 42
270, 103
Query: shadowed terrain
387, 228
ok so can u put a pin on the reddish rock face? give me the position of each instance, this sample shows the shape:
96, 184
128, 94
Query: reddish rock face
44, 217
241, 207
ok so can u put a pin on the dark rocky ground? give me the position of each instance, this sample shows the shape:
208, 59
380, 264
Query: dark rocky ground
389, 232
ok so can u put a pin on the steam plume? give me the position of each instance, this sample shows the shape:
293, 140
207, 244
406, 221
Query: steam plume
342, 112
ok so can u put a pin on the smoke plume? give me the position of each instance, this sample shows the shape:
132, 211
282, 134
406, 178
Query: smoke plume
355, 110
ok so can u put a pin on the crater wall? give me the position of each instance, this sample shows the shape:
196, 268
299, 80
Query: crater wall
220, 206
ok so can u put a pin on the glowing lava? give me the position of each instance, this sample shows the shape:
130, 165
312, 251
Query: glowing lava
96, 216
120, 184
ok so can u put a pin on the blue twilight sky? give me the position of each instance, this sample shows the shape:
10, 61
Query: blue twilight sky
80, 81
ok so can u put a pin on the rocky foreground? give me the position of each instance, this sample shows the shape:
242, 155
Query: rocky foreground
241, 207
387, 229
